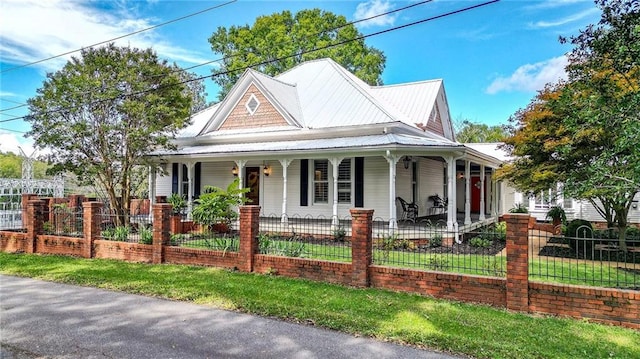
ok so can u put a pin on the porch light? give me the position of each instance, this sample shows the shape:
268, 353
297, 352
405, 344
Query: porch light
460, 176
234, 171
406, 161
266, 170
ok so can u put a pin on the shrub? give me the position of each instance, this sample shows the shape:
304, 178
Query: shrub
519, 208
121, 234
435, 241
178, 203
437, 263
480, 242
146, 235
557, 213
217, 205
339, 234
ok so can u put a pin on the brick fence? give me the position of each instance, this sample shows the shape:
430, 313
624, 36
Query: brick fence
515, 292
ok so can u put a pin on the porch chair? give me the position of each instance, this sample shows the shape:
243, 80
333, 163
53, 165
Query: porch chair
439, 205
409, 210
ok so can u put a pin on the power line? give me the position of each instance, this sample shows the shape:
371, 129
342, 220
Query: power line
468, 8
324, 31
8, 129
13, 108
236, 55
122, 36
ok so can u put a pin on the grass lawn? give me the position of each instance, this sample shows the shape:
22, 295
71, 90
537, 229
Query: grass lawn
547, 270
474, 330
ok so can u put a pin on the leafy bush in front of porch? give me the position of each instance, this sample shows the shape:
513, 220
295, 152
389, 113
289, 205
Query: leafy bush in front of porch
218, 206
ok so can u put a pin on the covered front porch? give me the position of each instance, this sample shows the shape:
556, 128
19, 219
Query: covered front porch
329, 186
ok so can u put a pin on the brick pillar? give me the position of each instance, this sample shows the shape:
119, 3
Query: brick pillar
517, 262
161, 230
91, 225
26, 197
361, 246
249, 227
34, 221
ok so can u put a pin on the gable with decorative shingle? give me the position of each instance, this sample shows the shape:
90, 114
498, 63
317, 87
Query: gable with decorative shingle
253, 110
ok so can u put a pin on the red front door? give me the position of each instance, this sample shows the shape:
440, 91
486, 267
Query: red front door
475, 194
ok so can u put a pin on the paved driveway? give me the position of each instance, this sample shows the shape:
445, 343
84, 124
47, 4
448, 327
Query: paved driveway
49, 320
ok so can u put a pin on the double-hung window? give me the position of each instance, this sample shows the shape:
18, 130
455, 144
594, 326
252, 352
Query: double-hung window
320, 181
344, 181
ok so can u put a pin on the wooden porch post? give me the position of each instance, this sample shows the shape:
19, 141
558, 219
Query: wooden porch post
152, 185
393, 160
285, 164
451, 194
467, 192
335, 163
190, 169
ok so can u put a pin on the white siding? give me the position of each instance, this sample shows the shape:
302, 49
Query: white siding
430, 182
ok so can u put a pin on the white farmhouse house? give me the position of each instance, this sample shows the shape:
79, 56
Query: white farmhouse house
318, 141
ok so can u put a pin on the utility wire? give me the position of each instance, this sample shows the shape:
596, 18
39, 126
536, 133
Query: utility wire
468, 8
228, 57
122, 36
8, 129
13, 108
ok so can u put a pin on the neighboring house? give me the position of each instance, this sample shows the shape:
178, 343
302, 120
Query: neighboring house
539, 205
318, 141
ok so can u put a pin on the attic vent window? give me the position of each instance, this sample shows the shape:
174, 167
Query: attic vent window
252, 104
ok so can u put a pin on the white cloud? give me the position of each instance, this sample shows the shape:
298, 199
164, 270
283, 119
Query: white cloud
31, 30
9, 142
566, 20
551, 4
531, 77
371, 8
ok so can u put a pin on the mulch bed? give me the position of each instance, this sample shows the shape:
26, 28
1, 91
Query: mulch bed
465, 248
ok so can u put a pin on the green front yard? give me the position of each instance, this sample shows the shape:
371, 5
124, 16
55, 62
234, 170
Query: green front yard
475, 330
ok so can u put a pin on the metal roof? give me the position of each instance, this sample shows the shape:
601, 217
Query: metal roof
316, 144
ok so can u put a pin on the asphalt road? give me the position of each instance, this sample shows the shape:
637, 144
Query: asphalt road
49, 320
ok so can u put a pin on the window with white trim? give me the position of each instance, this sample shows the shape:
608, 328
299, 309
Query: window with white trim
184, 181
344, 181
320, 181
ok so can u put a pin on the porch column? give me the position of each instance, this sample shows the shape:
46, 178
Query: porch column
335, 162
285, 164
190, 169
467, 192
482, 218
451, 194
393, 160
152, 185
494, 194
241, 164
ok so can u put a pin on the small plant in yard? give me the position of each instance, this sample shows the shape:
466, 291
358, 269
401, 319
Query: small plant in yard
519, 208
557, 215
47, 228
121, 233
387, 244
480, 242
146, 235
495, 267
435, 241
288, 247
216, 206
339, 234
178, 203
223, 243
437, 263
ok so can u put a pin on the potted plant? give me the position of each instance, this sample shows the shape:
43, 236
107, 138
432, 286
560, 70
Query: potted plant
178, 204
557, 216
216, 207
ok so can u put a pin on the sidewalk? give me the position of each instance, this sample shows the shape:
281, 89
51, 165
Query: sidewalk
41, 319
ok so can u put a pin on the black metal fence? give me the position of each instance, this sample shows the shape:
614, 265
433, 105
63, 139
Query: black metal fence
219, 237
126, 228
587, 256
430, 246
64, 221
306, 237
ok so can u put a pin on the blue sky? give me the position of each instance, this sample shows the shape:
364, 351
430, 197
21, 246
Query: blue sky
492, 59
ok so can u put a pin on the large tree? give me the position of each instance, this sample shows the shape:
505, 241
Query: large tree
473, 132
584, 132
278, 42
103, 112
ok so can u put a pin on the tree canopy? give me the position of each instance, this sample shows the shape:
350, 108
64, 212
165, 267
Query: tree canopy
472, 132
278, 42
11, 166
584, 132
103, 112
